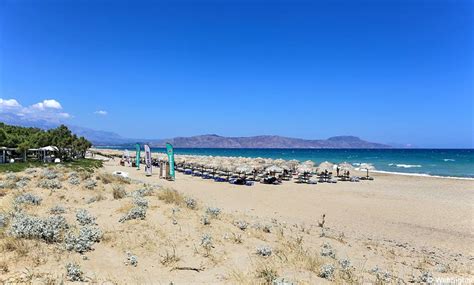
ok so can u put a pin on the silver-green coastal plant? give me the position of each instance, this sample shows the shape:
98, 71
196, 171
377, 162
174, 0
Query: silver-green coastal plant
92, 200
3, 220
50, 174
426, 278
345, 264
6, 185
22, 182
206, 243
131, 259
11, 176
147, 191
243, 225
82, 241
90, 184
264, 251
327, 250
48, 229
57, 210
213, 211
190, 203
138, 212
28, 198
50, 184
327, 271
74, 178
282, 281
83, 217
381, 275
141, 202
74, 272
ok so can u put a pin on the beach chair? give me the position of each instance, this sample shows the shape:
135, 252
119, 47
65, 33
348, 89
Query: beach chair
355, 179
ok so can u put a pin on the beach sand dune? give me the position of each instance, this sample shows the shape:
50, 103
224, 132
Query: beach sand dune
388, 230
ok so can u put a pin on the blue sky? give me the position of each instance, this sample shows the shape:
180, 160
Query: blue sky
387, 71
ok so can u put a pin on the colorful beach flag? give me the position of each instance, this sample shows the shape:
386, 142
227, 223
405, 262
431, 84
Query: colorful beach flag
148, 167
170, 151
137, 159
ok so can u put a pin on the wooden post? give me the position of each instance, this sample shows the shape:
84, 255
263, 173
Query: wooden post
167, 174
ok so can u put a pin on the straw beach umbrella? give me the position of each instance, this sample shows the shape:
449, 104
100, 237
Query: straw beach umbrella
244, 169
367, 166
304, 168
325, 166
345, 166
274, 169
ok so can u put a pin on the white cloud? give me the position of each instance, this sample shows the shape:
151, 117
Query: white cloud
47, 104
9, 103
48, 110
101, 112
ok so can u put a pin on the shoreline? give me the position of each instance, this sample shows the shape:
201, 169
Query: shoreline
422, 175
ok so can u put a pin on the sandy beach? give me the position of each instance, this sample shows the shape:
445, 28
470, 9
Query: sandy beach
395, 229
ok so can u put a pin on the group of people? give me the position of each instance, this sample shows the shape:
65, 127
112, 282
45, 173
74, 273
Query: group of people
345, 173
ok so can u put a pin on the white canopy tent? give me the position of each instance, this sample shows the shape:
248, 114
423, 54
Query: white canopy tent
45, 150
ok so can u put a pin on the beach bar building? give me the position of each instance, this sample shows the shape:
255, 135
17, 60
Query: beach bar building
6, 153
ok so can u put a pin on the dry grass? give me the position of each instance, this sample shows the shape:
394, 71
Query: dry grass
11, 244
293, 252
118, 191
97, 198
266, 273
239, 277
108, 178
3, 267
84, 175
125, 208
170, 258
236, 238
171, 196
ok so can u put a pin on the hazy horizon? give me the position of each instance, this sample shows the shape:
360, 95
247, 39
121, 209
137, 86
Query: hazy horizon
385, 71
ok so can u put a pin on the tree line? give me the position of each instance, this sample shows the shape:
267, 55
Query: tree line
24, 138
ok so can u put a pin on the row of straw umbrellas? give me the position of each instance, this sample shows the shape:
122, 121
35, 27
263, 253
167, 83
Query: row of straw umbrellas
245, 165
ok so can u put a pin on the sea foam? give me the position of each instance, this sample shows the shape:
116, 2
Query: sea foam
406, 165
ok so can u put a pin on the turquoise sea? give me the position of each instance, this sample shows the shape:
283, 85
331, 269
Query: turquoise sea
435, 162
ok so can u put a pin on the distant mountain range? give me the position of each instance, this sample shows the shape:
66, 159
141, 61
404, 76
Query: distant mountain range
103, 138
215, 141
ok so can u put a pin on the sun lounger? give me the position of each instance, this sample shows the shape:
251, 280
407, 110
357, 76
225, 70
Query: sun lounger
220, 179
237, 181
355, 179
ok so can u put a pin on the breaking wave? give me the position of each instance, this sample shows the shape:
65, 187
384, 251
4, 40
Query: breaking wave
406, 165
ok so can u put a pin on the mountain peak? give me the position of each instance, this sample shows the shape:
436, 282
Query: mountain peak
344, 138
